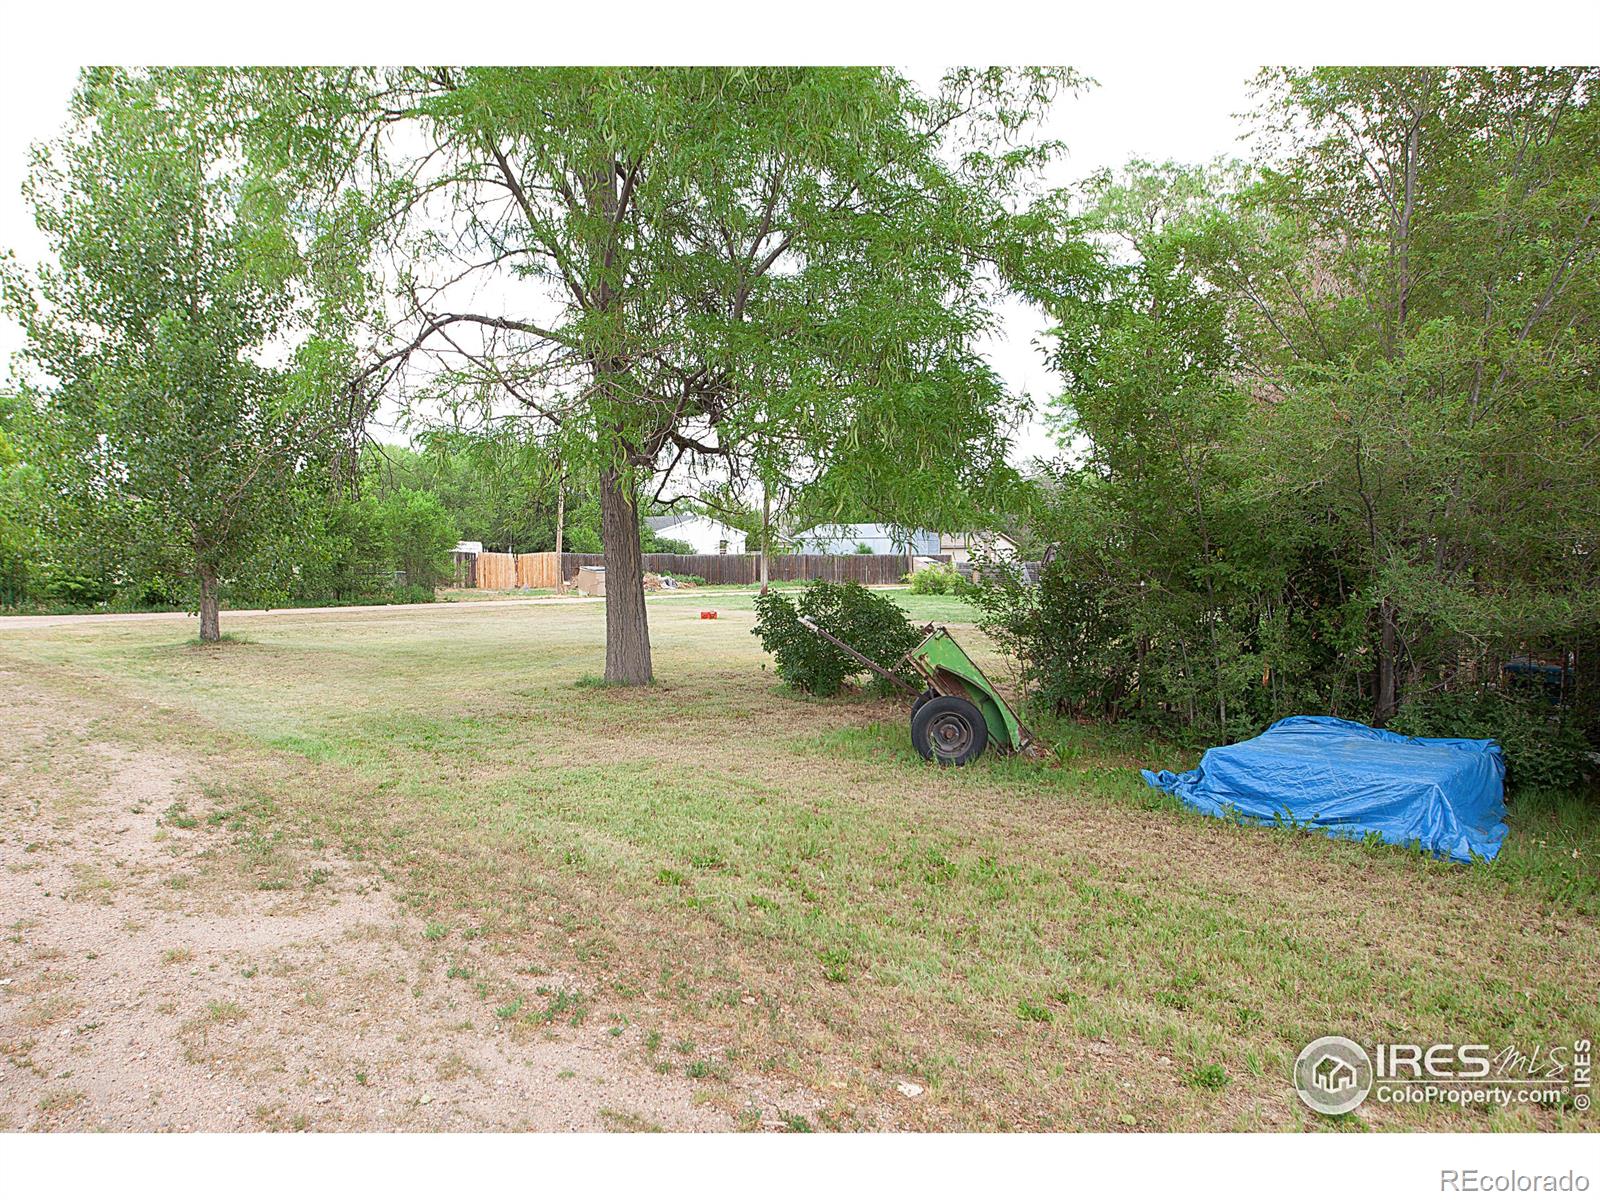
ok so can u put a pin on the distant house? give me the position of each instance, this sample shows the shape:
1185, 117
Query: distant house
704, 534
879, 539
956, 548
962, 548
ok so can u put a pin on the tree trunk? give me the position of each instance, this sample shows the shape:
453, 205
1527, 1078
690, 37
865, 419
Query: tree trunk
561, 516
627, 628
1384, 700
210, 627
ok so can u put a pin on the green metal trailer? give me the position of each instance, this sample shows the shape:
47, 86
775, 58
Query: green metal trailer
959, 713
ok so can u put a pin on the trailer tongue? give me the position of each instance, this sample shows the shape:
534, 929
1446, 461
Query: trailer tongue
959, 713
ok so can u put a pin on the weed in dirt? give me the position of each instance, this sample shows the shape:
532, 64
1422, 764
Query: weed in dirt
277, 1118
1029, 1011
179, 816
835, 964
177, 955
562, 1003
1209, 1076
92, 884
454, 1067
619, 1121
46, 1011
435, 932
59, 1100
18, 1054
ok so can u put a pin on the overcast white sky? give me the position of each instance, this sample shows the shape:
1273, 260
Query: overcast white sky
1179, 110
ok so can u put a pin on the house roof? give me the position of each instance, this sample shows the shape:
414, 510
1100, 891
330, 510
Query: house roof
671, 519
979, 537
865, 533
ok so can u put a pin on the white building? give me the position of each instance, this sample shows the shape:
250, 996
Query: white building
962, 548
878, 539
704, 534
956, 548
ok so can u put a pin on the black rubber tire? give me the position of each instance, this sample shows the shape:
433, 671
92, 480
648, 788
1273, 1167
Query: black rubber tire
949, 729
921, 700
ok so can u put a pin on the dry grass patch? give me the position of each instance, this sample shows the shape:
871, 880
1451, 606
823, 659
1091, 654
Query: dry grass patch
60, 1100
47, 1011
92, 883
279, 1118
454, 1067
622, 1121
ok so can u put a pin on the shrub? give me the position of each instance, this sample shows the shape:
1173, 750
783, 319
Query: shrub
872, 623
76, 590
419, 532
1542, 744
936, 579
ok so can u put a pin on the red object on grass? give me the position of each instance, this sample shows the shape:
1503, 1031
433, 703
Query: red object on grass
709, 614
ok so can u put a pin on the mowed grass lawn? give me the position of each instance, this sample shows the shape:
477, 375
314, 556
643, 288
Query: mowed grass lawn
783, 886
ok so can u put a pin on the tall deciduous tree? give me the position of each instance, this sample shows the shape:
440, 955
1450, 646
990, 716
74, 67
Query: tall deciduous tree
1334, 443
687, 276
174, 338
1417, 284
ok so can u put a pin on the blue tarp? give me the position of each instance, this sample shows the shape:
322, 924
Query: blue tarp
1352, 780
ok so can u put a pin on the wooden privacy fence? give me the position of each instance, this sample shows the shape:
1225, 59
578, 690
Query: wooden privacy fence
505, 572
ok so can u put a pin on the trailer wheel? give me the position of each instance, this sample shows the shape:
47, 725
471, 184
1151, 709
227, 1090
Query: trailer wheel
949, 729
921, 700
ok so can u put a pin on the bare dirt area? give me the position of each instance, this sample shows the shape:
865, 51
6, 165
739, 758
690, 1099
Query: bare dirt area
155, 974
487, 599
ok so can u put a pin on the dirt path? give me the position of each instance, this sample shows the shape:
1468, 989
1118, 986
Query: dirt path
40, 621
150, 981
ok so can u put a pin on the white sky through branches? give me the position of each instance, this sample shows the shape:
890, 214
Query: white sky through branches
1187, 112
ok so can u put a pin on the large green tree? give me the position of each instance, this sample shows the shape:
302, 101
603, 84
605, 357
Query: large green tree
179, 340
1417, 294
1330, 419
687, 277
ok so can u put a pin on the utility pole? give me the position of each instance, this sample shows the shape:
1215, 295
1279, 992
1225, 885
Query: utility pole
561, 515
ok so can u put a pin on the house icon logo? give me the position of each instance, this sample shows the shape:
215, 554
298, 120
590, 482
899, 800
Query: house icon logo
1333, 1075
